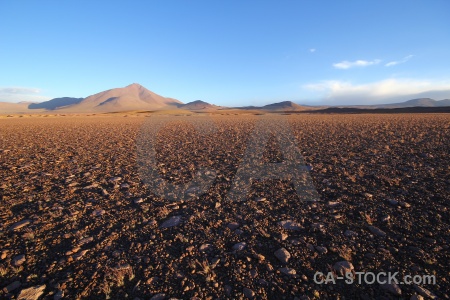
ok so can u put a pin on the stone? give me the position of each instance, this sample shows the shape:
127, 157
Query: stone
32, 293
283, 255
288, 271
239, 246
248, 293
12, 286
343, 267
171, 222
376, 231
392, 287
290, 225
19, 225
18, 260
233, 225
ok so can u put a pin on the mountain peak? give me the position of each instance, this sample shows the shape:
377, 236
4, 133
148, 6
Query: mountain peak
134, 85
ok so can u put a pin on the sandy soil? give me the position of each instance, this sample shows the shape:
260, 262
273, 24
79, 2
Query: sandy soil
77, 222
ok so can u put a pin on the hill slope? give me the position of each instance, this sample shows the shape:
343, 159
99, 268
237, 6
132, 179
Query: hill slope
197, 105
131, 97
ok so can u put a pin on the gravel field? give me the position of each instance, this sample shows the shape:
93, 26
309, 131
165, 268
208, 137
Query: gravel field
78, 222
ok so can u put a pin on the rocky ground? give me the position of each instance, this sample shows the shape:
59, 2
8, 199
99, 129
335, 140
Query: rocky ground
77, 222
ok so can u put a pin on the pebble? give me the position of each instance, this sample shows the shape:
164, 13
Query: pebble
376, 231
350, 233
205, 247
287, 271
239, 246
321, 250
424, 292
98, 212
12, 286
249, 293
171, 222
19, 225
393, 202
343, 267
18, 260
416, 297
290, 225
283, 255
233, 225
32, 293
160, 296
392, 287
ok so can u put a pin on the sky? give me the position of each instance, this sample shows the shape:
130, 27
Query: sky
231, 53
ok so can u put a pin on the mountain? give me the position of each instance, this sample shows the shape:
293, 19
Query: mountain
421, 102
284, 106
197, 105
55, 103
131, 97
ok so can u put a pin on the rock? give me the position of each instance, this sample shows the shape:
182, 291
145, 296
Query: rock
405, 204
283, 255
392, 287
160, 296
171, 222
32, 293
321, 250
12, 286
205, 247
58, 295
19, 225
424, 292
290, 225
368, 196
98, 212
248, 293
18, 260
138, 200
115, 179
343, 267
350, 233
233, 225
239, 246
416, 297
227, 289
392, 202
288, 271
376, 231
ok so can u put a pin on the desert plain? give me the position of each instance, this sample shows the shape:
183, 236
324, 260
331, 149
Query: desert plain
78, 222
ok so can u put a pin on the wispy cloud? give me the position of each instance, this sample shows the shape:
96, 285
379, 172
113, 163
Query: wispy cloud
312, 50
18, 94
342, 92
397, 62
357, 63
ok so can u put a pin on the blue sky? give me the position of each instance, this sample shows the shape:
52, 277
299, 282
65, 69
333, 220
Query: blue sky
227, 52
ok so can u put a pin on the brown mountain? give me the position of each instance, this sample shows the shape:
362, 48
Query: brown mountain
284, 106
131, 97
197, 105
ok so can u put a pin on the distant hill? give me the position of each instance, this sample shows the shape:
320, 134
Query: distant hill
420, 102
284, 106
55, 103
197, 105
131, 97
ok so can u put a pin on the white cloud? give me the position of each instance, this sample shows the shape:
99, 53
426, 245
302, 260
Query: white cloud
358, 63
18, 94
312, 50
397, 62
335, 92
